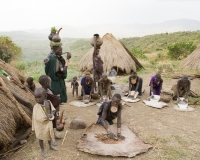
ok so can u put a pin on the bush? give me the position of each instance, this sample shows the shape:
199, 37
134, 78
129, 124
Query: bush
165, 67
180, 50
138, 53
8, 49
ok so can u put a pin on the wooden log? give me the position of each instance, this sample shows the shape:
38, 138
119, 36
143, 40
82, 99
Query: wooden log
12, 98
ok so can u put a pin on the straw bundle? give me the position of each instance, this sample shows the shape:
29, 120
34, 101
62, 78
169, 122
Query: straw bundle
10, 120
113, 54
16, 103
192, 61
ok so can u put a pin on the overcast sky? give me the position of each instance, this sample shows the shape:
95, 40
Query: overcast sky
40, 14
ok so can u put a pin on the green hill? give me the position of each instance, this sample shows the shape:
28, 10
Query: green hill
159, 42
36, 48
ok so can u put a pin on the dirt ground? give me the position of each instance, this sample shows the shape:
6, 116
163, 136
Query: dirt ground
174, 135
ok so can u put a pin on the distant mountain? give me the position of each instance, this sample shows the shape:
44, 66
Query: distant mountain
122, 31
119, 31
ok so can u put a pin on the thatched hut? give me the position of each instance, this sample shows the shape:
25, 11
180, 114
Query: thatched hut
16, 104
193, 60
114, 54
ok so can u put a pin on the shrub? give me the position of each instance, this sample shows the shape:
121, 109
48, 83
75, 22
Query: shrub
8, 50
180, 50
165, 67
138, 53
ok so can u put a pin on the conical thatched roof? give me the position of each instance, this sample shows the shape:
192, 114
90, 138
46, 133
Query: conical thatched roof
16, 103
113, 54
193, 60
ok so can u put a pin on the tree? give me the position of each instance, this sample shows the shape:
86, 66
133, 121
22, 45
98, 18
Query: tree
180, 50
8, 49
138, 53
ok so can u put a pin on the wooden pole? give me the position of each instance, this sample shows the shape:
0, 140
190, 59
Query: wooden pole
64, 136
12, 98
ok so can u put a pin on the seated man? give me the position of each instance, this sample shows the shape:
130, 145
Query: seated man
109, 111
156, 83
135, 84
182, 88
87, 84
105, 86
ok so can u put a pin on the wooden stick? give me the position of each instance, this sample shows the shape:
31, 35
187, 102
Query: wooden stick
64, 136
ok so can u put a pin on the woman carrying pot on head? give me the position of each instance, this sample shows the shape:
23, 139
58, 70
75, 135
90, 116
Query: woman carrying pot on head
56, 67
135, 85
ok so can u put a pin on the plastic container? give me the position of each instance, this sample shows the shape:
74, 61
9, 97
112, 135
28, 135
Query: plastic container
182, 104
155, 98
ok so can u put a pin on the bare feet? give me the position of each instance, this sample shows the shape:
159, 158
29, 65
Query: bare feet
57, 137
54, 143
53, 148
44, 154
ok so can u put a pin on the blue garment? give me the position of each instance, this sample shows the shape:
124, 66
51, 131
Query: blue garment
87, 87
50, 54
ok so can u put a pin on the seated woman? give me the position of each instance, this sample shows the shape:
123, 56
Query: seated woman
109, 111
87, 84
135, 84
182, 88
156, 83
105, 86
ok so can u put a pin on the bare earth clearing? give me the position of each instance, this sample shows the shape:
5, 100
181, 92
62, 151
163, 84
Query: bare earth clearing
173, 134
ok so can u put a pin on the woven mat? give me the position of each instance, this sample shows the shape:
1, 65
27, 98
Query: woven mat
155, 104
94, 140
81, 104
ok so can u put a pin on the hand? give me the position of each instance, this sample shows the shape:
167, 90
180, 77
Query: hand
120, 136
69, 55
185, 100
49, 116
112, 135
46, 60
178, 99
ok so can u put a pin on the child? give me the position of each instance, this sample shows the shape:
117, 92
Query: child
30, 84
74, 86
105, 87
45, 82
42, 116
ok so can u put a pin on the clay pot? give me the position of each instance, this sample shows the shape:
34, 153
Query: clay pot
99, 41
51, 35
56, 37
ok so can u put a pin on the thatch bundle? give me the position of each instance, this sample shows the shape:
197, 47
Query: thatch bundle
192, 61
16, 103
113, 54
